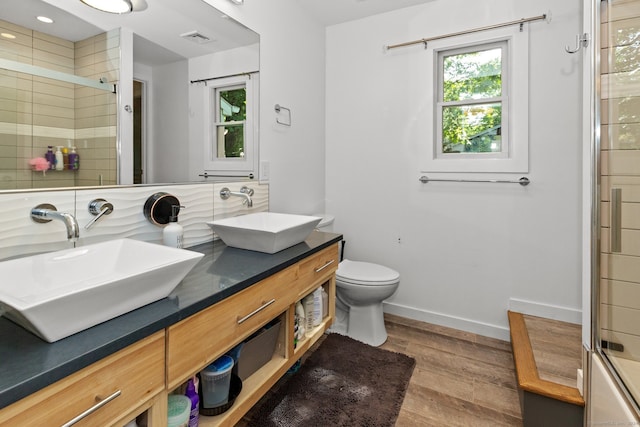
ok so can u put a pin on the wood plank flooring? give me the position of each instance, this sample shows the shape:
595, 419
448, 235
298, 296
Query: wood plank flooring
463, 379
557, 349
460, 379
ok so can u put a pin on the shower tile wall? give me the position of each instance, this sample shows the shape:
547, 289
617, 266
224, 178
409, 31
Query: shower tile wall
95, 110
36, 112
19, 235
620, 170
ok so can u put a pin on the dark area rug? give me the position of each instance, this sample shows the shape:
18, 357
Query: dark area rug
342, 383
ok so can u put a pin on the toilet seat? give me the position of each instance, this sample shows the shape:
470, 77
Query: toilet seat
366, 274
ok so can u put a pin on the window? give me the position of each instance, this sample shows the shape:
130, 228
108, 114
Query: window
231, 115
480, 101
472, 95
231, 148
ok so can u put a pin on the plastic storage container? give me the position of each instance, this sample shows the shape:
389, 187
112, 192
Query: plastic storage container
215, 382
178, 411
255, 351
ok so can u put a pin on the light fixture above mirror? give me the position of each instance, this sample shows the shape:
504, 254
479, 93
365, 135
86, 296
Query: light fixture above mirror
117, 6
111, 6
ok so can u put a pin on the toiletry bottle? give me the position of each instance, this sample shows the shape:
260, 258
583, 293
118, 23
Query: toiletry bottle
302, 327
317, 306
307, 303
325, 303
59, 159
65, 158
51, 158
173, 233
192, 394
74, 160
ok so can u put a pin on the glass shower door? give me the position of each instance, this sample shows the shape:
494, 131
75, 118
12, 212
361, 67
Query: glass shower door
619, 317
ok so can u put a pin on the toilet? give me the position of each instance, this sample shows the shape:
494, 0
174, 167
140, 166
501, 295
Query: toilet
361, 287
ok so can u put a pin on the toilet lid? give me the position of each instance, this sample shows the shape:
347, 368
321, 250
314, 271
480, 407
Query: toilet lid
366, 273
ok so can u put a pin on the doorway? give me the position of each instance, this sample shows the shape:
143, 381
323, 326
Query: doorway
139, 134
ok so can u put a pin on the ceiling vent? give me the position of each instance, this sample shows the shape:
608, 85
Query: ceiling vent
196, 37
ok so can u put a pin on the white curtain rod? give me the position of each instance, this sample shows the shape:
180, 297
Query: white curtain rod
545, 16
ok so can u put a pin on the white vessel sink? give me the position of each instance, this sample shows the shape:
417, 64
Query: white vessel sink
60, 293
268, 232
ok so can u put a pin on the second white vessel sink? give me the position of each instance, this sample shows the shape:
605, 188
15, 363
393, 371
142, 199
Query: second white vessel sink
268, 232
60, 293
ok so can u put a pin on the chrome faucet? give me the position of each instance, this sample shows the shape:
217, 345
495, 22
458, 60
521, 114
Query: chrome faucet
98, 208
46, 212
245, 192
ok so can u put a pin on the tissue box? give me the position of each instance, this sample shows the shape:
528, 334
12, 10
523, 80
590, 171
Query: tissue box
257, 350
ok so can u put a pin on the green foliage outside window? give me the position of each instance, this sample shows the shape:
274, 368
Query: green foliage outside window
472, 127
234, 133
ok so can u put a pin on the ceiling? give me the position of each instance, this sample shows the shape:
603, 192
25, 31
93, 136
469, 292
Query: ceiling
330, 12
163, 22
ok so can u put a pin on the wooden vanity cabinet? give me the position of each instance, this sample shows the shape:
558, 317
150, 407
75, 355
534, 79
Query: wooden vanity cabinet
129, 383
137, 379
197, 341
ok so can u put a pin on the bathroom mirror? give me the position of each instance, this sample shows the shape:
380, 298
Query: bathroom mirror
125, 137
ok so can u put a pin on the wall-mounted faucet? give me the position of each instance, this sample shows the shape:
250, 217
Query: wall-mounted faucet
99, 208
46, 212
245, 192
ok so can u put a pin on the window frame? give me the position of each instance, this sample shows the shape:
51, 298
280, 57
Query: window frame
232, 166
516, 112
503, 99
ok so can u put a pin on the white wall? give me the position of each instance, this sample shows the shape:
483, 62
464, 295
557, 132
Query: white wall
168, 151
292, 74
465, 252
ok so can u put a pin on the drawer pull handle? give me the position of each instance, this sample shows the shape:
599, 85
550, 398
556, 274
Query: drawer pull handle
319, 269
94, 408
256, 311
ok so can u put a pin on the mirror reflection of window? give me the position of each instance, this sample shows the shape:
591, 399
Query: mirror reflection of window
231, 120
231, 115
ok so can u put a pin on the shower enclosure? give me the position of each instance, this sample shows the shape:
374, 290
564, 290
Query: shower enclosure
616, 287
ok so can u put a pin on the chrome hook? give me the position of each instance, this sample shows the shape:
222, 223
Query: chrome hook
581, 41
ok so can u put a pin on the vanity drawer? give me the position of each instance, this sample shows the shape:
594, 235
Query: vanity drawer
198, 340
136, 372
316, 268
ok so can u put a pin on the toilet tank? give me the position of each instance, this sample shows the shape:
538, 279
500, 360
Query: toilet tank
326, 223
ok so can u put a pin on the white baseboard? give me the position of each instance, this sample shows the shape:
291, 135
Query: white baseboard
548, 311
468, 325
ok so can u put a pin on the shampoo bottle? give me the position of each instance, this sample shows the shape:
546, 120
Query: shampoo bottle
65, 158
59, 159
173, 233
192, 394
51, 158
74, 160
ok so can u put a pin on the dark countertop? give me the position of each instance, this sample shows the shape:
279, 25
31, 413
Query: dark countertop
28, 364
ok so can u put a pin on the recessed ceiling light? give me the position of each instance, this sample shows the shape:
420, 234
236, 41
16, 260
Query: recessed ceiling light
237, 1
44, 19
111, 6
7, 35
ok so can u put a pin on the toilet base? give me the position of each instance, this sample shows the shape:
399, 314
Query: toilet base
362, 323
